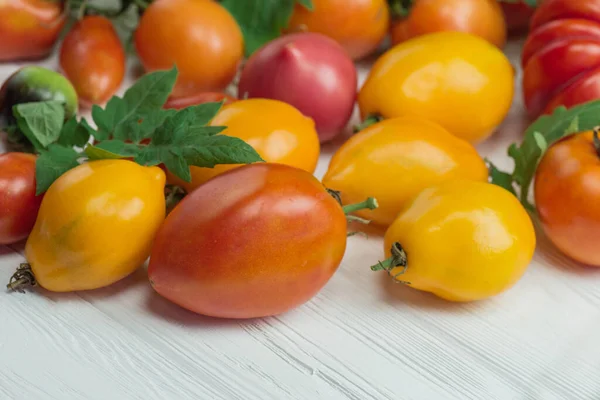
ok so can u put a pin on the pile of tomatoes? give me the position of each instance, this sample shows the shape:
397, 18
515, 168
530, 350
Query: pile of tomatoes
260, 239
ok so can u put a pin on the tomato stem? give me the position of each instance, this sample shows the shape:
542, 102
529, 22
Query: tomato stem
597, 140
23, 278
396, 260
173, 195
370, 203
370, 120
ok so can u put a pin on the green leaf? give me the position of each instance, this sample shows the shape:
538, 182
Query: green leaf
543, 133
262, 20
52, 163
116, 149
209, 151
74, 133
98, 153
136, 115
500, 178
41, 122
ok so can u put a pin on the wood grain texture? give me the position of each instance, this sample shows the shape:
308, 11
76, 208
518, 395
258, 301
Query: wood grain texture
362, 338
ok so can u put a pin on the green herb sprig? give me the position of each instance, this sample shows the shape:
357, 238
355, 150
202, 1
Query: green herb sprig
135, 126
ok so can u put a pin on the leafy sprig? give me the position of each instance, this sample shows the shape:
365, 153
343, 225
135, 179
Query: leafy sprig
136, 127
262, 20
540, 135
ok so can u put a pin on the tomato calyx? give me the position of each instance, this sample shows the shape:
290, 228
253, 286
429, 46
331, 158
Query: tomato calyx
22, 279
369, 204
398, 259
596, 132
400, 8
371, 119
173, 195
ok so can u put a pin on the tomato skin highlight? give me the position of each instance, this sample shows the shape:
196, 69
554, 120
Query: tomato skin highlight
209, 44
93, 59
309, 71
561, 56
19, 205
368, 26
567, 197
256, 241
29, 28
483, 18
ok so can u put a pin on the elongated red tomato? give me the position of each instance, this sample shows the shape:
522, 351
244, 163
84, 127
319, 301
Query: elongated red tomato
93, 59
19, 205
255, 241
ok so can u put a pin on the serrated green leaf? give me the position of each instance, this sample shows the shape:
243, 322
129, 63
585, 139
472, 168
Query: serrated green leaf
118, 148
52, 163
573, 127
262, 20
41, 122
98, 153
209, 151
74, 133
500, 178
108, 118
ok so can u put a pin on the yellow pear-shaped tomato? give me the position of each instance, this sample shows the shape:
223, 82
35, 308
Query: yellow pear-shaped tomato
395, 159
461, 240
276, 130
96, 225
456, 79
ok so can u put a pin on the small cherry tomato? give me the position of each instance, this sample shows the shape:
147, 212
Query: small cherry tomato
567, 198
456, 79
18, 203
276, 130
462, 241
178, 103
561, 57
395, 159
483, 18
309, 71
95, 226
93, 59
29, 28
358, 25
200, 37
256, 241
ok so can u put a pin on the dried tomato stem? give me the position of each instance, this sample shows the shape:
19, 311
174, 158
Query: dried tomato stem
23, 278
397, 259
597, 140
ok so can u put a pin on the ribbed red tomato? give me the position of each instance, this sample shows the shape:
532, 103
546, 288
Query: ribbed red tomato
561, 57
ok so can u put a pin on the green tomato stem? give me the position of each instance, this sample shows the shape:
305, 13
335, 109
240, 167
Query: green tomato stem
370, 120
396, 260
370, 203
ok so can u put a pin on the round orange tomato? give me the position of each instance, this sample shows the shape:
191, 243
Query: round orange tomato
200, 37
279, 133
358, 25
483, 18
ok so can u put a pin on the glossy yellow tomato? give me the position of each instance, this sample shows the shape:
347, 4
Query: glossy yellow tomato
456, 79
96, 225
276, 130
461, 240
395, 159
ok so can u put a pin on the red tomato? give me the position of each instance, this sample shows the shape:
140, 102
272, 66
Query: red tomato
517, 16
204, 97
567, 196
29, 28
18, 203
255, 241
200, 37
93, 59
309, 71
479, 17
561, 57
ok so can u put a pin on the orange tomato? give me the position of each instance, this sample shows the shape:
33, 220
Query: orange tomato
93, 59
483, 18
358, 25
200, 37
279, 133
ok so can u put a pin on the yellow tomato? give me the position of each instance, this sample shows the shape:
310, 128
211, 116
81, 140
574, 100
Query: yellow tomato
456, 79
276, 130
462, 241
96, 225
395, 159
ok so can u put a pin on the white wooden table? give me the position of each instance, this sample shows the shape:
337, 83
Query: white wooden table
363, 337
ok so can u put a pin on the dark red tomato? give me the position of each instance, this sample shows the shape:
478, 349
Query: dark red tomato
206, 97
255, 241
18, 203
310, 71
29, 28
517, 16
93, 59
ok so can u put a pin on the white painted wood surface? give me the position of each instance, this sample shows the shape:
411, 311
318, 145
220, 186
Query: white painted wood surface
363, 337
